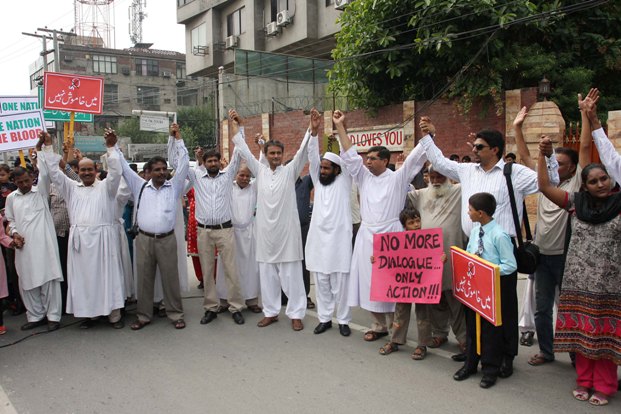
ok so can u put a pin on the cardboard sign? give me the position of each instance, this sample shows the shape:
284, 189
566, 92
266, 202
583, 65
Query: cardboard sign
73, 93
476, 284
20, 130
26, 103
408, 266
154, 123
392, 139
62, 116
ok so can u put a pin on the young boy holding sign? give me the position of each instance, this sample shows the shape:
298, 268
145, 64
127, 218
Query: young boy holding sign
490, 242
410, 220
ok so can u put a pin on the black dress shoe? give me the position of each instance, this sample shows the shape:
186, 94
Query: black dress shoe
238, 318
322, 327
344, 330
52, 326
209, 316
506, 369
461, 357
88, 323
32, 325
118, 324
487, 381
463, 373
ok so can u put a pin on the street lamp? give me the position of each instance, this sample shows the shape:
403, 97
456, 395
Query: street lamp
544, 88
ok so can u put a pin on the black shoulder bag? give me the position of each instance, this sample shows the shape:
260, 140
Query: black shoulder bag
527, 256
133, 231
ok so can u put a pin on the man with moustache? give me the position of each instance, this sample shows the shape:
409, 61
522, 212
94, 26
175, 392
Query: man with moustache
439, 204
212, 190
328, 247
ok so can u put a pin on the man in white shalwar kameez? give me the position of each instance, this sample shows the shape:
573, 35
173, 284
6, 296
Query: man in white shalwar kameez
382, 197
36, 256
279, 239
243, 206
328, 246
94, 263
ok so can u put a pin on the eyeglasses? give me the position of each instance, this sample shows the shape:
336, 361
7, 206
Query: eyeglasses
373, 158
479, 147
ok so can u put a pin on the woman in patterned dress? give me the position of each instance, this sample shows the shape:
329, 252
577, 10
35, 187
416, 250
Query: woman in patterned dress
589, 314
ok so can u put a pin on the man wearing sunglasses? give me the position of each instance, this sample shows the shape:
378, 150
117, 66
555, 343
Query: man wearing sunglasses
485, 174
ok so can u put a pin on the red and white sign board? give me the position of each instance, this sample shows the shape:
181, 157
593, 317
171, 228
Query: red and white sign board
20, 130
390, 138
476, 284
73, 93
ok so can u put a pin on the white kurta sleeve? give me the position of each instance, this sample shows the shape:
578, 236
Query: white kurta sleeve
43, 183
115, 173
301, 157
134, 181
182, 159
609, 155
314, 159
353, 164
64, 184
411, 166
253, 165
9, 213
441, 164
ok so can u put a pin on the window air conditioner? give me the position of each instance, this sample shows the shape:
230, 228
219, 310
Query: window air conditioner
283, 18
232, 42
340, 4
272, 29
166, 74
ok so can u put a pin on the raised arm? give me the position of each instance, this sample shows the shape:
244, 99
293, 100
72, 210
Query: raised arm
43, 184
553, 193
51, 160
441, 164
607, 152
351, 159
182, 160
586, 141
301, 156
412, 165
113, 180
522, 148
238, 139
314, 159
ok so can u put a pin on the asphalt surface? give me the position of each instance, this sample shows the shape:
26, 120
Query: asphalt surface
226, 368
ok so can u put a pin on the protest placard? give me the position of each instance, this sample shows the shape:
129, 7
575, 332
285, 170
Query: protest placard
73, 93
20, 130
476, 284
407, 267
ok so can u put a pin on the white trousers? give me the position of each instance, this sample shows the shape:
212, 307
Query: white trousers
288, 276
42, 301
331, 294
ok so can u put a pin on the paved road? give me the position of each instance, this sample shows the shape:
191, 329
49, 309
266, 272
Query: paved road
225, 368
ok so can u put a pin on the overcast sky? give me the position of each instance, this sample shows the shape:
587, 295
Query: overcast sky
17, 51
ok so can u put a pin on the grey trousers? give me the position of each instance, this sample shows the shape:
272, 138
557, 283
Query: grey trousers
162, 253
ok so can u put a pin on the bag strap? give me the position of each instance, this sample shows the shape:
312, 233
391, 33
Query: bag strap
516, 220
138, 203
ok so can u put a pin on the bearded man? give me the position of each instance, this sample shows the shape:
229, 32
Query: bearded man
440, 207
328, 247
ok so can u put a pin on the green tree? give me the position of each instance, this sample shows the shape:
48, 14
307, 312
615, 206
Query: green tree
393, 50
198, 125
130, 127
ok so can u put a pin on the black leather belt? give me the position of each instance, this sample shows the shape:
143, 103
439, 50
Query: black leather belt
157, 236
226, 225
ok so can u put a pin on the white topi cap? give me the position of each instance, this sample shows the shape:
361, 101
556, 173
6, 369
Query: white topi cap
330, 156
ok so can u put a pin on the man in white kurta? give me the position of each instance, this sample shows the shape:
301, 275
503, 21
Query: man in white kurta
243, 206
382, 197
94, 265
37, 261
279, 239
328, 246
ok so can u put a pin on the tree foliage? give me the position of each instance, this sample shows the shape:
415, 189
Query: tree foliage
394, 50
130, 127
198, 125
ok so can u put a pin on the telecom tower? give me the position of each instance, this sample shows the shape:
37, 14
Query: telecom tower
94, 22
136, 16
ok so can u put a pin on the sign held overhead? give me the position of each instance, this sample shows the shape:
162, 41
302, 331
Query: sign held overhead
73, 93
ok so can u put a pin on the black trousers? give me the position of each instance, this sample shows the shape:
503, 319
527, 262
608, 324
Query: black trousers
498, 343
63, 244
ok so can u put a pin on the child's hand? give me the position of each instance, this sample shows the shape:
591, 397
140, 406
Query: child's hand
372, 259
443, 258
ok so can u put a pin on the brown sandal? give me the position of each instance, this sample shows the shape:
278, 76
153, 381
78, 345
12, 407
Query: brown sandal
179, 324
138, 324
255, 309
419, 353
437, 342
267, 321
538, 359
389, 348
371, 336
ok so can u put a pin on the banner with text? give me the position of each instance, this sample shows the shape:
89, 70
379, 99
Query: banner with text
407, 266
25, 103
156, 123
20, 130
476, 284
73, 93
390, 138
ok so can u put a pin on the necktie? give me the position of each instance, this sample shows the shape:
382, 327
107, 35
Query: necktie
480, 249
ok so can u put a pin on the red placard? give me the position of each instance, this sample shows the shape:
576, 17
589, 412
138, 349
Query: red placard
407, 267
476, 284
73, 93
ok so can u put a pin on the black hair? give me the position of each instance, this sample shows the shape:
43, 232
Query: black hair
134, 167
5, 168
149, 165
211, 153
511, 155
466, 158
572, 154
593, 166
18, 172
454, 157
408, 213
483, 202
382, 152
73, 163
494, 139
273, 143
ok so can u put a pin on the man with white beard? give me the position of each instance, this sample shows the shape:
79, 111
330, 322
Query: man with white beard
440, 207
328, 246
